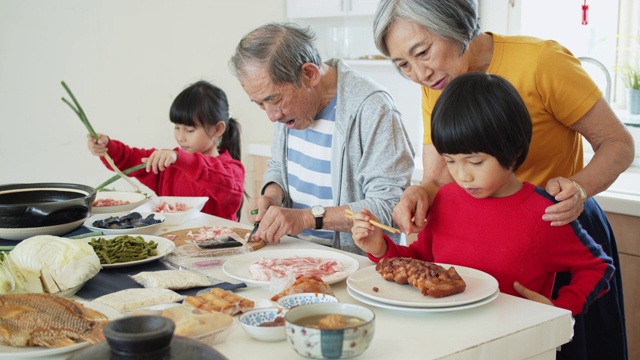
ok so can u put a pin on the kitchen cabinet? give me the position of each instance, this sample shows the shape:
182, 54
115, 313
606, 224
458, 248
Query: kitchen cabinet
330, 8
627, 232
343, 28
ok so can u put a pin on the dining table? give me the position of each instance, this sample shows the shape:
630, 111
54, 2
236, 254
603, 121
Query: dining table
507, 327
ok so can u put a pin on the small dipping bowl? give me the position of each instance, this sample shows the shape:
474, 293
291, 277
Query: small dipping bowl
251, 321
293, 300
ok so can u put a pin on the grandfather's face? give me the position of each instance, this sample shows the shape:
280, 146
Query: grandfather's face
285, 103
423, 57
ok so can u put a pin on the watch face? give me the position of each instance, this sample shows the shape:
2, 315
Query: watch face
317, 210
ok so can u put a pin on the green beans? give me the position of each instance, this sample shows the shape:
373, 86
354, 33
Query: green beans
123, 248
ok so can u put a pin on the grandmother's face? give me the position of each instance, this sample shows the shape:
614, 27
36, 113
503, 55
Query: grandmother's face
422, 56
284, 103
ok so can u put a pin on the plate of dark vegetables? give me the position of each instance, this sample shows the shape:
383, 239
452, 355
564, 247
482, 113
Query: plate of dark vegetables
125, 223
128, 250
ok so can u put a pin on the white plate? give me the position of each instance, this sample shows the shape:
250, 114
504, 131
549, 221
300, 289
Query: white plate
165, 247
196, 203
237, 267
12, 352
479, 286
135, 199
150, 229
371, 302
24, 233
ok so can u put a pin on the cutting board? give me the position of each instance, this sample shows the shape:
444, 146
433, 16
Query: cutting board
180, 237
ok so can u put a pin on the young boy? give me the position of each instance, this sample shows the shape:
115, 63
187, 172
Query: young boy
489, 220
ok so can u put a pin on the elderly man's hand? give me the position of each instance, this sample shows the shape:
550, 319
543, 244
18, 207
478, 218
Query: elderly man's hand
411, 211
258, 207
278, 222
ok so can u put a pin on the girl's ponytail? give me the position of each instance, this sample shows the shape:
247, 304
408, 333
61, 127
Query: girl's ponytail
231, 139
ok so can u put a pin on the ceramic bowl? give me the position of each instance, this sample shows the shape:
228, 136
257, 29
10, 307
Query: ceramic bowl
139, 334
251, 321
293, 300
316, 343
148, 229
162, 204
43, 209
132, 199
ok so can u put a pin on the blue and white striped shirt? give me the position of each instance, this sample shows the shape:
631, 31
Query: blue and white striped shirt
309, 168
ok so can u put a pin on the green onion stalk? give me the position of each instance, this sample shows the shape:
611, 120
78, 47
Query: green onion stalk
83, 117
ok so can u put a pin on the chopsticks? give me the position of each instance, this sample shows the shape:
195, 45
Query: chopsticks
349, 215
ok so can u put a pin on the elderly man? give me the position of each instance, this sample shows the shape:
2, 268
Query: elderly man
338, 143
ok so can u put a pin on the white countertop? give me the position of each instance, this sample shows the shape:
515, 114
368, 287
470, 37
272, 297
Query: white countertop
622, 197
508, 327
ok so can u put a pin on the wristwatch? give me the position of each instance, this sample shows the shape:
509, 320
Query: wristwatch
318, 212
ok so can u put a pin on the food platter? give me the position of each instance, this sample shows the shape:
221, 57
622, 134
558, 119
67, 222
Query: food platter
149, 229
135, 199
363, 282
164, 248
13, 352
195, 204
237, 267
382, 305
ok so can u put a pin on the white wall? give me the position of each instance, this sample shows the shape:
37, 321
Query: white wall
125, 60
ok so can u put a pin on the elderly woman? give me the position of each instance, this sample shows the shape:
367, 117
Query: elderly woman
433, 41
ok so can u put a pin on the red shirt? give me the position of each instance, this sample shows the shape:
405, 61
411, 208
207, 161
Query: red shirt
507, 238
219, 178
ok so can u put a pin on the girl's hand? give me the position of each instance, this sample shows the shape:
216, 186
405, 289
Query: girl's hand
531, 295
366, 236
97, 147
159, 160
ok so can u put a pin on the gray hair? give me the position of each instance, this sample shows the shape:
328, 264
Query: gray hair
453, 20
282, 47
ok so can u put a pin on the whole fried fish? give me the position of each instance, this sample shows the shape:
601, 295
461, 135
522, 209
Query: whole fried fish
47, 320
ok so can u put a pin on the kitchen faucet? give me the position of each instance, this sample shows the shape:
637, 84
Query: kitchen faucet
607, 91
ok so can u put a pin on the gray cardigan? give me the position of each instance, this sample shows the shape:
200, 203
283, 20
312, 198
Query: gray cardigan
372, 157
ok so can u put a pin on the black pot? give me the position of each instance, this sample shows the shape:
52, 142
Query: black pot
146, 337
44, 204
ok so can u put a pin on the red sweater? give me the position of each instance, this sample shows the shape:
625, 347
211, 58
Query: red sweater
507, 238
219, 178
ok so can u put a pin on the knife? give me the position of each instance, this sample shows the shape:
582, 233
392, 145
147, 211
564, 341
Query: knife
255, 228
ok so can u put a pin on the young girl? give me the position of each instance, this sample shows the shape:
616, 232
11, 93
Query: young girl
206, 161
489, 220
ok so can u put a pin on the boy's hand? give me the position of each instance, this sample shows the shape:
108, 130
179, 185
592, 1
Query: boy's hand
531, 295
366, 236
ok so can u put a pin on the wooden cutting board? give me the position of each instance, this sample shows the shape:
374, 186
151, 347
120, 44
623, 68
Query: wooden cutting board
180, 237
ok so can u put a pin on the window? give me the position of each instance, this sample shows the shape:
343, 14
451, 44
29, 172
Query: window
562, 21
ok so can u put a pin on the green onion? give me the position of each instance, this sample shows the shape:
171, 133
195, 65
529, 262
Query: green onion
117, 176
83, 117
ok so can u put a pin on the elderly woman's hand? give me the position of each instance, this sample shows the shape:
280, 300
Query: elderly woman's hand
570, 203
411, 211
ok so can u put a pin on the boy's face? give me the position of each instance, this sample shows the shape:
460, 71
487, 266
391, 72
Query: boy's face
481, 175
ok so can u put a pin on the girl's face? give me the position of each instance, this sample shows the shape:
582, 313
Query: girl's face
424, 57
481, 175
194, 139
